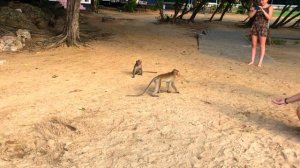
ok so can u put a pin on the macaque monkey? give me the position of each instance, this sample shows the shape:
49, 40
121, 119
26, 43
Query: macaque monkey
169, 78
138, 69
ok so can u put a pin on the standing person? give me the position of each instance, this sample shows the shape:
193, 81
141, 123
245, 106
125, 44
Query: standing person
288, 100
259, 29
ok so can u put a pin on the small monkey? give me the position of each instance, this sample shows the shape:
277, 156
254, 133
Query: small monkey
169, 78
138, 69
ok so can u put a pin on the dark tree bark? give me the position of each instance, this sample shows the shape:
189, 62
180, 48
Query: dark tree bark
287, 18
183, 11
160, 4
220, 6
285, 8
70, 33
228, 6
287, 21
197, 9
94, 5
72, 22
177, 7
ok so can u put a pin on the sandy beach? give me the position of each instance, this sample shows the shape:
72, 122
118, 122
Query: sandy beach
67, 107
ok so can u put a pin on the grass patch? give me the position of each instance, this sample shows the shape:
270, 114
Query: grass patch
277, 41
276, 13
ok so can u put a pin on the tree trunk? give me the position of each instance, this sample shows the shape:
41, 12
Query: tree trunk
217, 9
197, 9
160, 4
230, 2
282, 22
285, 8
184, 10
176, 10
290, 19
94, 5
72, 22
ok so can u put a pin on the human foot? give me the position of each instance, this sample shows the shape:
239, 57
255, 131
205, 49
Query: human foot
259, 64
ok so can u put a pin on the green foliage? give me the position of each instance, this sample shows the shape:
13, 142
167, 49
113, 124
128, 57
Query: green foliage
276, 13
130, 6
153, 7
278, 41
166, 18
241, 10
160, 4
213, 7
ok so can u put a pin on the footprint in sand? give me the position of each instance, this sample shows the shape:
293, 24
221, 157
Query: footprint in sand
289, 155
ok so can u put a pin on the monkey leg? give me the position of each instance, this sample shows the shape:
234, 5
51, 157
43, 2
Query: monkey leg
168, 87
133, 72
140, 72
157, 87
174, 87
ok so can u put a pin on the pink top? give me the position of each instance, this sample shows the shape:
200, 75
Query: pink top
64, 4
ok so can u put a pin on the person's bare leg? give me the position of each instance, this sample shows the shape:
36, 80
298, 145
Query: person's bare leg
298, 112
262, 41
253, 49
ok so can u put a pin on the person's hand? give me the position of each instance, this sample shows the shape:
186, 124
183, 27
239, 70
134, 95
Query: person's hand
260, 8
278, 101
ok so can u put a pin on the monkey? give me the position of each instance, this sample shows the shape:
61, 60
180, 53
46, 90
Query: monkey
169, 78
200, 36
138, 69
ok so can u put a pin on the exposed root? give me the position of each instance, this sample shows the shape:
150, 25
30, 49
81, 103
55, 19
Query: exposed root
55, 41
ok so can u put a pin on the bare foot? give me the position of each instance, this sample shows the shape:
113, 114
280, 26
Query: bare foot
259, 65
251, 63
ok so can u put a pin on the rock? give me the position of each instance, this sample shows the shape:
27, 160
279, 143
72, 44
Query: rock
12, 43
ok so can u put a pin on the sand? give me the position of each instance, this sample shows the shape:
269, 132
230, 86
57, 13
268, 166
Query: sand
67, 107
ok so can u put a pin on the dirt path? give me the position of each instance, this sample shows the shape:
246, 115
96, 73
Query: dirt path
66, 107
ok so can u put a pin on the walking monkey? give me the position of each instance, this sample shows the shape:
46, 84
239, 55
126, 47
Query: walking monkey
169, 78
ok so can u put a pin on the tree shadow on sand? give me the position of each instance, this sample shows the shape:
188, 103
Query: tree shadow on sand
258, 118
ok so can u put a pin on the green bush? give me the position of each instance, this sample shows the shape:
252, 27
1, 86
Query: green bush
278, 41
130, 6
241, 10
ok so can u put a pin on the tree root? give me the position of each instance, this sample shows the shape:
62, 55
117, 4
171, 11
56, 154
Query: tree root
55, 41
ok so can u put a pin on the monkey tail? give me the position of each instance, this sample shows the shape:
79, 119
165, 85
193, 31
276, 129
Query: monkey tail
149, 71
144, 90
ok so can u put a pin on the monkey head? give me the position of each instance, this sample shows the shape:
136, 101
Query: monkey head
138, 62
175, 72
